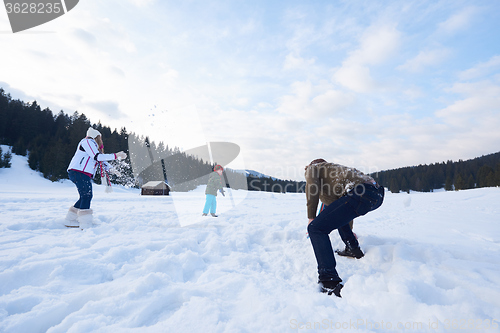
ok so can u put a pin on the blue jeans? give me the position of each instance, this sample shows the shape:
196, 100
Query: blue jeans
84, 185
347, 236
357, 202
210, 204
345, 233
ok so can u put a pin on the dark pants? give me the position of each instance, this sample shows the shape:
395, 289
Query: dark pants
357, 202
84, 185
347, 235
345, 232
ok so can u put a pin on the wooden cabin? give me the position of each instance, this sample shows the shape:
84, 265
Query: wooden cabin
155, 188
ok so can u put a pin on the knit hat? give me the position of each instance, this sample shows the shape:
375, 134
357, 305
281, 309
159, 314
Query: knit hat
93, 133
316, 161
218, 167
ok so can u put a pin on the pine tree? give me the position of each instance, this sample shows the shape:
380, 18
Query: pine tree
485, 176
448, 186
6, 160
497, 175
394, 186
426, 187
459, 183
404, 185
19, 148
490, 179
470, 182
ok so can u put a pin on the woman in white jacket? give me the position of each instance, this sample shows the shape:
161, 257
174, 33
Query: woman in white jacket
88, 156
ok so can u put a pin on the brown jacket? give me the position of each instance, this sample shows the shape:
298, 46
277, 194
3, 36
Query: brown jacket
328, 182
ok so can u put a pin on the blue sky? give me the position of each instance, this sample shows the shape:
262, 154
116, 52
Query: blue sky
369, 84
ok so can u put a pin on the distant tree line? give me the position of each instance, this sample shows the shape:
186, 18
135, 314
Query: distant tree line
482, 171
270, 184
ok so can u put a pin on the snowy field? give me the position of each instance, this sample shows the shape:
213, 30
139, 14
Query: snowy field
432, 263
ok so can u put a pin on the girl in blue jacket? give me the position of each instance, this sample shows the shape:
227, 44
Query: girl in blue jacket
214, 184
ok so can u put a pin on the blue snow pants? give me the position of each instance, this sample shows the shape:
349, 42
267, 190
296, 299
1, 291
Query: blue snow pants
210, 204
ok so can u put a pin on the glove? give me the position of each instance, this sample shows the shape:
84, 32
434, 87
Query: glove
121, 155
222, 192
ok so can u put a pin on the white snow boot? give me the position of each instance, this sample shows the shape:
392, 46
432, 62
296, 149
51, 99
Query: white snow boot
71, 218
85, 218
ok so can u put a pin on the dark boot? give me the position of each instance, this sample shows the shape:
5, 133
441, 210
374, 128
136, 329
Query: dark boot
213, 215
331, 287
351, 252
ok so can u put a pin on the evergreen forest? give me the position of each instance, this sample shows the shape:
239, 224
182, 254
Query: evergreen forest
482, 171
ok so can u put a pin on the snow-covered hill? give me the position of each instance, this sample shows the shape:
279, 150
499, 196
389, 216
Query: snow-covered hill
432, 264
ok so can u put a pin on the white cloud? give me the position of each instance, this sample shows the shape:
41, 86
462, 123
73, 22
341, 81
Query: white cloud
425, 59
296, 62
110, 108
309, 101
241, 102
142, 3
481, 100
264, 105
297, 103
377, 45
331, 102
459, 21
356, 77
481, 69
413, 93
84, 36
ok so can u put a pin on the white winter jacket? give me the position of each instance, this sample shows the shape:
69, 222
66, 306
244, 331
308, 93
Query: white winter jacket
87, 158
